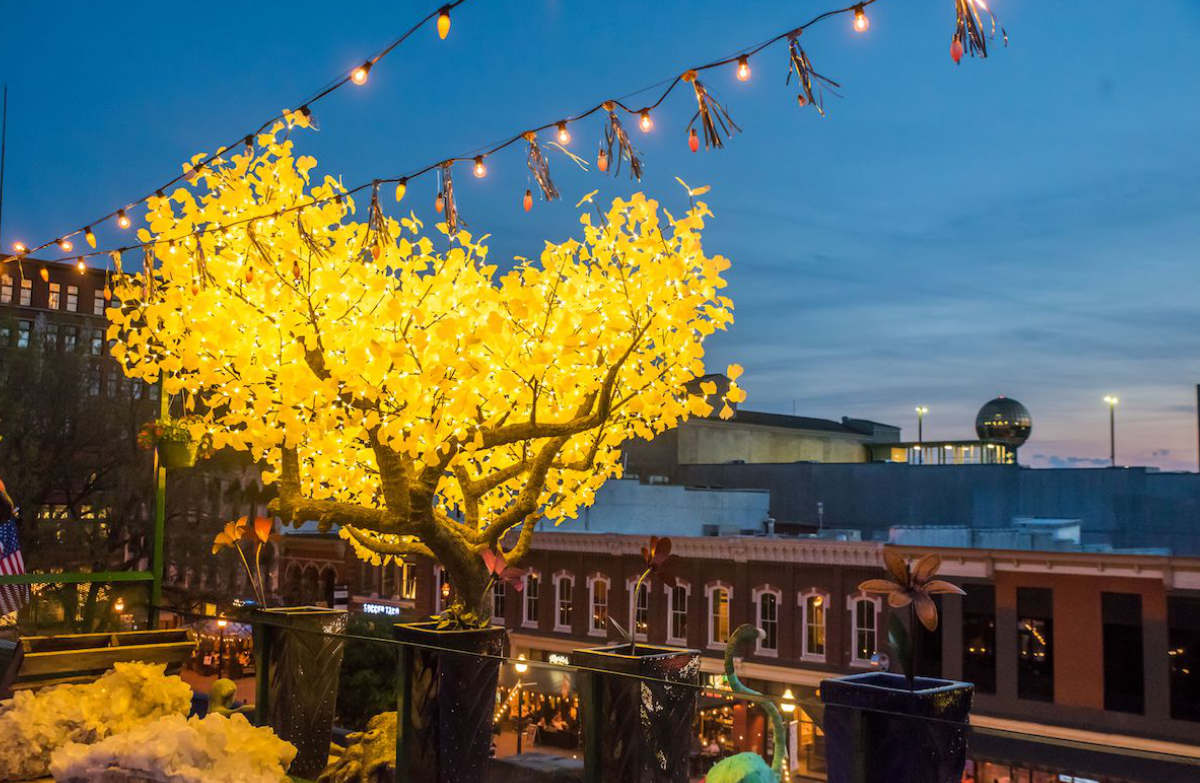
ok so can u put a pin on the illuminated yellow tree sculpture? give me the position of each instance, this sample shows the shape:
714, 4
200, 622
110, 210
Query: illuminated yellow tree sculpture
426, 402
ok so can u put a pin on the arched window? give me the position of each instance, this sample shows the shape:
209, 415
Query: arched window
564, 605
677, 611
720, 600
814, 608
408, 580
533, 586
766, 611
639, 609
598, 585
864, 628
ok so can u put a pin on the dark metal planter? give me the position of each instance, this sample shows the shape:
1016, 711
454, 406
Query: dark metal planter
878, 731
637, 730
447, 701
297, 687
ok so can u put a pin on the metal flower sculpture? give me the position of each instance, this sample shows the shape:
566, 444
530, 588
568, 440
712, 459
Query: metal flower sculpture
659, 563
256, 534
912, 585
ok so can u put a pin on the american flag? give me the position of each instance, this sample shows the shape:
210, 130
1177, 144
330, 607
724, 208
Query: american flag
12, 597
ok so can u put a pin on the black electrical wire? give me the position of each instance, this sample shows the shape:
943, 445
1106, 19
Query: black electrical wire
494, 148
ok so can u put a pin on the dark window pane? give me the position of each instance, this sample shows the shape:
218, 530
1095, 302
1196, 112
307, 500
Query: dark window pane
979, 637
1035, 643
1183, 622
1124, 675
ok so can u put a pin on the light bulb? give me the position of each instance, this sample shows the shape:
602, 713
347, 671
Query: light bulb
79, 265
564, 135
401, 189
89, 236
443, 23
45, 274
122, 219
359, 74
480, 169
861, 22
439, 203
645, 122
247, 147
527, 202
65, 245
20, 247
602, 161
693, 140
743, 69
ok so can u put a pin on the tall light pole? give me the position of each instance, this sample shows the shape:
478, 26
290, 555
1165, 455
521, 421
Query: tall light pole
521, 667
1112, 429
921, 411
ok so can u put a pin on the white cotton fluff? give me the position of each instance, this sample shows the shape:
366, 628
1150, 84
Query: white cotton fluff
215, 749
33, 724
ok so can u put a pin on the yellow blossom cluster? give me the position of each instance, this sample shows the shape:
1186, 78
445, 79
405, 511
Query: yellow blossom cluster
425, 400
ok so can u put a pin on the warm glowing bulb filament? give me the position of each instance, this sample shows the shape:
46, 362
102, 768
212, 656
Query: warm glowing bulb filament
743, 69
645, 122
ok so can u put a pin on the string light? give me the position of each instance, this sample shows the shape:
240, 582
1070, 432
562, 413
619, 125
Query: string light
44, 273
480, 169
443, 22
65, 245
80, 265
564, 135
603, 159
527, 202
359, 74
861, 22
693, 140
89, 237
743, 69
20, 247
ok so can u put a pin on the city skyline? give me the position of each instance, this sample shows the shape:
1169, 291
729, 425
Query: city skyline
1018, 225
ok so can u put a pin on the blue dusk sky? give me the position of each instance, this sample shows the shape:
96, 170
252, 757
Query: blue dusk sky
1023, 225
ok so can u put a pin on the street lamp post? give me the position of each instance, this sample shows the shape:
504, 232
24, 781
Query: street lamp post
521, 668
1112, 428
921, 411
221, 623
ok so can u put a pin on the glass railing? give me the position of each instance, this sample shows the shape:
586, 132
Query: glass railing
360, 704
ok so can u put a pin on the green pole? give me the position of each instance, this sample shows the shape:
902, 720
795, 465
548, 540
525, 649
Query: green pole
160, 518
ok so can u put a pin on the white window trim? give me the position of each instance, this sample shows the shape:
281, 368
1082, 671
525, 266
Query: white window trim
709, 589
561, 576
687, 592
852, 601
630, 584
757, 594
525, 621
592, 580
802, 599
499, 619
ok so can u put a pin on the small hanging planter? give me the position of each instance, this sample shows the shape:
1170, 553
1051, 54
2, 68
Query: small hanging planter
172, 441
176, 453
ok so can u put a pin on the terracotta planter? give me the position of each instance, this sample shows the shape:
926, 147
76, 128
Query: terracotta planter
638, 731
176, 453
298, 683
878, 731
447, 699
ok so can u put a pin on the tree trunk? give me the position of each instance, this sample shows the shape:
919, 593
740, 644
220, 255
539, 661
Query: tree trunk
464, 566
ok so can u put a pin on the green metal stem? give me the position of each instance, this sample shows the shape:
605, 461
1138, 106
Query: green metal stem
160, 517
77, 577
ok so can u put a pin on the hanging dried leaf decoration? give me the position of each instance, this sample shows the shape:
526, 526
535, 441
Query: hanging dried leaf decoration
147, 272
115, 255
615, 132
307, 238
200, 262
806, 77
377, 230
969, 33
540, 168
446, 197
714, 120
